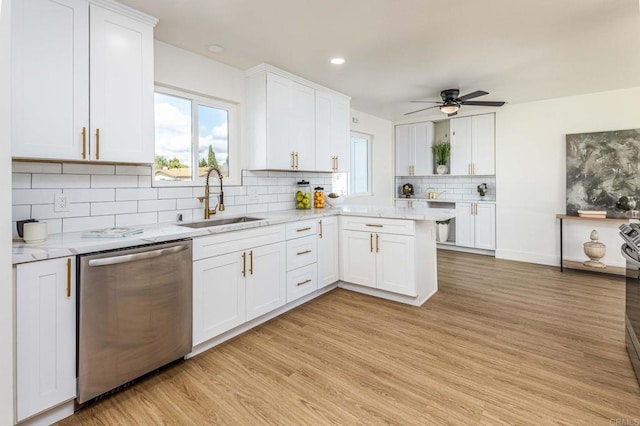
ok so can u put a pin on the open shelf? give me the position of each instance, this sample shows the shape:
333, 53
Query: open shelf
608, 270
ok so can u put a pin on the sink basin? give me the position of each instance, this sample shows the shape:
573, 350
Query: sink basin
219, 222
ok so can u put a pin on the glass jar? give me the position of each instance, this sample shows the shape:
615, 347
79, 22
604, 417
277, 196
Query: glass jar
303, 195
318, 197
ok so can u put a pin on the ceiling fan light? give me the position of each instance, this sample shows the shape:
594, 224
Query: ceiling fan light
450, 109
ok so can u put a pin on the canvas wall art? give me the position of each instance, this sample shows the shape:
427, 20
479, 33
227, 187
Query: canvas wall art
601, 168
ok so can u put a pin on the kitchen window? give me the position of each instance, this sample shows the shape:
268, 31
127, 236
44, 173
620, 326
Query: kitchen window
192, 134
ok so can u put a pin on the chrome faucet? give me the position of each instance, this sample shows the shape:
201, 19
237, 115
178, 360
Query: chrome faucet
220, 206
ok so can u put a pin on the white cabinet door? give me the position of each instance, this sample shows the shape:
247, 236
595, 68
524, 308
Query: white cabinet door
395, 263
121, 75
328, 252
279, 156
324, 152
45, 335
218, 295
301, 282
423, 156
485, 226
50, 78
340, 136
483, 144
266, 279
405, 135
461, 146
358, 259
302, 136
465, 226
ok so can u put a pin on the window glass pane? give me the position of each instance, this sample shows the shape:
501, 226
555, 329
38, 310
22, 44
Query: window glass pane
173, 138
360, 164
213, 139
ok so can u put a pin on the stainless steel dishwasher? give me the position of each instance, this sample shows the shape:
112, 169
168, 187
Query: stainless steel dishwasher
134, 314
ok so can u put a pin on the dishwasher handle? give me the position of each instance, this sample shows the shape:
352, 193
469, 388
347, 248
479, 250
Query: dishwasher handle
136, 256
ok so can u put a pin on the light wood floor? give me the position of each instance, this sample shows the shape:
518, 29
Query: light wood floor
501, 343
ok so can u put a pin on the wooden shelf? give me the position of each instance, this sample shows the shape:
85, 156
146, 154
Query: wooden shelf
608, 270
606, 219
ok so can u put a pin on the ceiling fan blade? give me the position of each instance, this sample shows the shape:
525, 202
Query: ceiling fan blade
473, 95
483, 103
452, 114
427, 102
423, 109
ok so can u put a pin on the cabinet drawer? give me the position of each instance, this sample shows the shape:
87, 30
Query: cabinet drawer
378, 225
302, 281
301, 252
228, 242
301, 229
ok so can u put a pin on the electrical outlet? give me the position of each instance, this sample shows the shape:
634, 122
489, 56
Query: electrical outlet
61, 203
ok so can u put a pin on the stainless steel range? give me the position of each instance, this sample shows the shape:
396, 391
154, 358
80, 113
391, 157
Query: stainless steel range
631, 252
134, 314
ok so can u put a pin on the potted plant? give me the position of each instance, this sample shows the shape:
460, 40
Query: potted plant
443, 230
441, 152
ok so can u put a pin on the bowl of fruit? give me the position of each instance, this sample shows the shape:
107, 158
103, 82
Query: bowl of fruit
334, 199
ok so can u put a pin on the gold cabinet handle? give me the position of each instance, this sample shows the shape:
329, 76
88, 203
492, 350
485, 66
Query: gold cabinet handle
377, 243
375, 225
97, 144
244, 264
251, 262
320, 228
303, 229
303, 282
300, 253
297, 158
84, 143
68, 277
337, 167
371, 243
292, 162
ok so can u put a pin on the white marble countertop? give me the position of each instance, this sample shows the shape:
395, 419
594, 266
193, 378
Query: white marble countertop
70, 244
486, 199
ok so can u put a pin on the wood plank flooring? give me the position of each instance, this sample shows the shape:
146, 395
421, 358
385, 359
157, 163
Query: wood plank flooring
501, 343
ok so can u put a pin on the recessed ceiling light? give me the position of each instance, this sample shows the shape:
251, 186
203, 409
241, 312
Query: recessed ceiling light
216, 48
337, 61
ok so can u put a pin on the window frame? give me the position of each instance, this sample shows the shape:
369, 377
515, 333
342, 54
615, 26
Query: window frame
369, 138
233, 130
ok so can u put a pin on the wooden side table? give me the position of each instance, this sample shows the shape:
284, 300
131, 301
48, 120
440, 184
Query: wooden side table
578, 265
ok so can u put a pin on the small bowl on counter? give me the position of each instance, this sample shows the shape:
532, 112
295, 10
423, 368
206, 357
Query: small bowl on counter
334, 201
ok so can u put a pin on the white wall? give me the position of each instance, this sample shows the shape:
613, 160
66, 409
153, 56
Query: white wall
530, 169
6, 290
383, 157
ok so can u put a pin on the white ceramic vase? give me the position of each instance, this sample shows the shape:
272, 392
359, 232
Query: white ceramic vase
442, 169
443, 232
595, 251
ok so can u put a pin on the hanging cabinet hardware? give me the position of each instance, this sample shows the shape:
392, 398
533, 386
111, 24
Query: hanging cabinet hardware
97, 144
303, 282
244, 264
371, 243
297, 158
375, 225
377, 243
68, 277
84, 143
320, 228
337, 167
251, 262
300, 253
293, 164
303, 229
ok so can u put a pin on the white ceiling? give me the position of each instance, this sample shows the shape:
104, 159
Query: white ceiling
398, 50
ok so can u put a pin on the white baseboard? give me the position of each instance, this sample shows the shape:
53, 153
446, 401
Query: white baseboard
543, 259
51, 416
451, 247
408, 300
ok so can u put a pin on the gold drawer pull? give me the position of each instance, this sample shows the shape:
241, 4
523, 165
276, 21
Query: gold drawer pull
303, 252
308, 228
244, 264
375, 225
84, 143
320, 228
97, 144
371, 243
251, 262
377, 243
303, 282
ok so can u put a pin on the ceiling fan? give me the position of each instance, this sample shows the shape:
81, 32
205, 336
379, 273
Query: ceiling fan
451, 103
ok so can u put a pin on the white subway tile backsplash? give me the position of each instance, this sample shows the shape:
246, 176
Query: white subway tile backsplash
136, 219
172, 216
78, 224
45, 211
60, 181
127, 194
21, 213
235, 210
115, 181
28, 167
20, 180
33, 196
114, 207
144, 181
90, 195
88, 169
156, 205
190, 203
184, 192
54, 226
133, 170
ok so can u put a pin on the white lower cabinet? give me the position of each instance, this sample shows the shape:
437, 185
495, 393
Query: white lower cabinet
476, 228
45, 335
301, 282
328, 251
378, 258
266, 279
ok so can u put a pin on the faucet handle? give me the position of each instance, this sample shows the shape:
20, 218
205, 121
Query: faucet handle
201, 199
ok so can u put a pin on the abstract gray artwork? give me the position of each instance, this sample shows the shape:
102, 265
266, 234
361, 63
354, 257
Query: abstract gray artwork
601, 168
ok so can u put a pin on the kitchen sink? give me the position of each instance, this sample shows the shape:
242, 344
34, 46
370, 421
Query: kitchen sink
219, 222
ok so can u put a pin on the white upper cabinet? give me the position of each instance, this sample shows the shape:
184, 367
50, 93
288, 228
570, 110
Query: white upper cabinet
50, 78
413, 149
473, 145
294, 124
66, 52
332, 132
